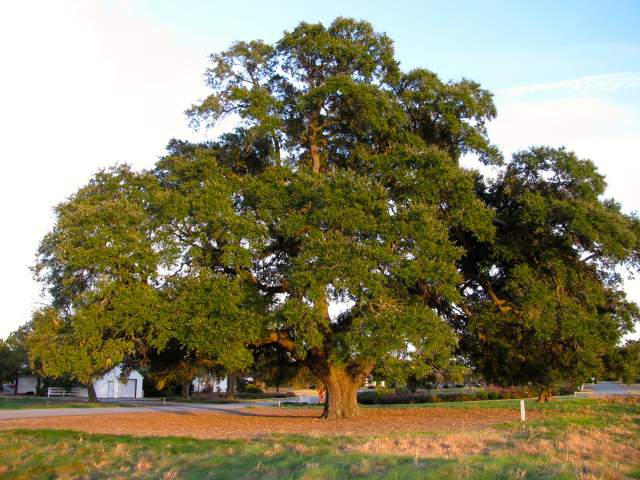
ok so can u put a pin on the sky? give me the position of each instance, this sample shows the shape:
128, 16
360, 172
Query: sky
88, 84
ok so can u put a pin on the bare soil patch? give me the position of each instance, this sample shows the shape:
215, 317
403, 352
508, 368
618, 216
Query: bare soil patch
257, 422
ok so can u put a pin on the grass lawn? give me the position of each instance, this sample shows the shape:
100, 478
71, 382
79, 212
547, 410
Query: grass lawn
17, 403
578, 438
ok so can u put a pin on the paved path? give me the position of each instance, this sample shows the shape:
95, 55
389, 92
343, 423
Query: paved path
146, 408
149, 406
610, 388
607, 388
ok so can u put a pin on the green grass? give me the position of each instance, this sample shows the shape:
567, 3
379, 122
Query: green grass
54, 454
578, 439
19, 403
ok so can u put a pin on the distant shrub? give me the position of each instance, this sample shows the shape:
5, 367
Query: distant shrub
407, 397
251, 388
368, 397
383, 390
565, 390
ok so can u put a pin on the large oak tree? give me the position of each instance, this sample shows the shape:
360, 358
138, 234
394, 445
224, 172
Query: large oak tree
341, 187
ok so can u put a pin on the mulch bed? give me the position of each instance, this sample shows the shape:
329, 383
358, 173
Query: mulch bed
263, 421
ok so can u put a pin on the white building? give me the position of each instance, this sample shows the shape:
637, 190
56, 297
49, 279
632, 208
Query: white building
209, 384
111, 386
27, 384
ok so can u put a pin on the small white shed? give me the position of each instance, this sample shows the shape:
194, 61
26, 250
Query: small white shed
111, 386
27, 384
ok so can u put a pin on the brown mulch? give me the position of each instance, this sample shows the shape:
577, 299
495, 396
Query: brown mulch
257, 422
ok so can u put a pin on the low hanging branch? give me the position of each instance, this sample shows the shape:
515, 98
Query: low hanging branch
280, 338
503, 305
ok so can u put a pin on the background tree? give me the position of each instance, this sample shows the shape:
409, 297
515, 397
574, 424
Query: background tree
412, 374
623, 363
14, 360
11, 363
545, 301
98, 264
173, 365
274, 367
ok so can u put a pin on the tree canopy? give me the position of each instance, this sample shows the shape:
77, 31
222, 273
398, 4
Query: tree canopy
13, 355
336, 225
546, 297
623, 363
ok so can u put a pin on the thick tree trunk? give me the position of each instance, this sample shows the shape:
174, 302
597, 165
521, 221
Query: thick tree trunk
231, 387
341, 399
186, 387
91, 393
545, 395
313, 130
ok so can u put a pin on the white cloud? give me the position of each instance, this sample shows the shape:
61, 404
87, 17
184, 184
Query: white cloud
607, 83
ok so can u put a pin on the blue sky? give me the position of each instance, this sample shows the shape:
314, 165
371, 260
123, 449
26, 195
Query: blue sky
88, 84
498, 43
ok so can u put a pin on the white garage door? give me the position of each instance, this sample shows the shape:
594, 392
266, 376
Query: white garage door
127, 390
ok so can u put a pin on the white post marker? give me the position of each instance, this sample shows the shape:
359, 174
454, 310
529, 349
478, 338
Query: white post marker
522, 412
